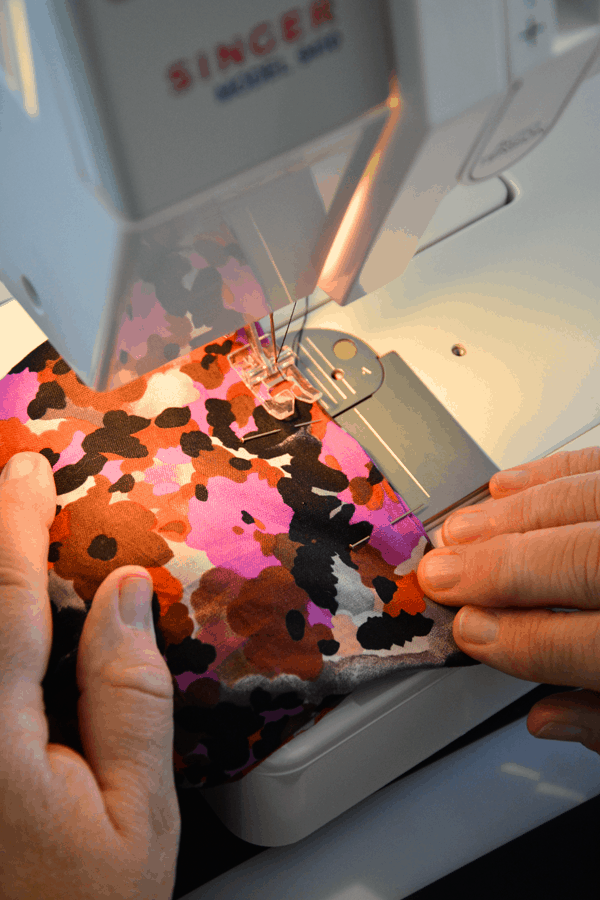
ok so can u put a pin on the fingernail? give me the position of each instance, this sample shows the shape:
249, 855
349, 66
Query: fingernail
442, 572
560, 731
510, 479
465, 525
478, 627
135, 595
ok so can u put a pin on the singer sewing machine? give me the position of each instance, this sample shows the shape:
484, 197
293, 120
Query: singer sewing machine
364, 160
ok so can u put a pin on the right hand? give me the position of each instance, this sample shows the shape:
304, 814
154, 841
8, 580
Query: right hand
534, 553
107, 825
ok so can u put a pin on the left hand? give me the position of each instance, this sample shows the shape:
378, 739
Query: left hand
536, 547
106, 825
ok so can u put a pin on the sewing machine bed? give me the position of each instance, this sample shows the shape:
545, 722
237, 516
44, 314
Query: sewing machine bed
376, 734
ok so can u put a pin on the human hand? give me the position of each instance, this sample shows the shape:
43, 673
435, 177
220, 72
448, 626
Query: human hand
107, 825
535, 545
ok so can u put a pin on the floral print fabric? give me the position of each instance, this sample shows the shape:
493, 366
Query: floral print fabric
265, 614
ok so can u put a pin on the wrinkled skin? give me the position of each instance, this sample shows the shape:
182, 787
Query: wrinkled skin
533, 564
106, 825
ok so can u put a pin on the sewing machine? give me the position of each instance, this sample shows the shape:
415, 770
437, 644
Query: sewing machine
365, 158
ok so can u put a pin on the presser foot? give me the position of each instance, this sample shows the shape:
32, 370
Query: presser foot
271, 375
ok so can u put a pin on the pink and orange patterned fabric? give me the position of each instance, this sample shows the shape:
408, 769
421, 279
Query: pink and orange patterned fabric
265, 614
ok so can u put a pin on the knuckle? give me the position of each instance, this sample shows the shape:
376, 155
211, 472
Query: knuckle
576, 498
547, 505
538, 638
579, 563
539, 651
528, 510
591, 499
595, 643
148, 678
568, 462
579, 658
579, 461
501, 555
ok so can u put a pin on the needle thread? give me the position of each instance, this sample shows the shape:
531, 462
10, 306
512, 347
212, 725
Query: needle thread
286, 330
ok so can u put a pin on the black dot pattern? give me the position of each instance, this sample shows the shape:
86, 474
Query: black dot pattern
295, 624
200, 492
103, 547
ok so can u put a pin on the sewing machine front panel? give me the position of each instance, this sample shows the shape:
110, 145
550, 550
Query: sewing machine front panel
194, 95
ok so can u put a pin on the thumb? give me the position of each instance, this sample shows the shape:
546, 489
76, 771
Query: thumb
126, 705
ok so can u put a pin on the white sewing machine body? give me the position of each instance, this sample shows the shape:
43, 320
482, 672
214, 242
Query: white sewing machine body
290, 132
508, 271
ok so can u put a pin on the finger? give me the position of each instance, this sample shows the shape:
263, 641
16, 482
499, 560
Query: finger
537, 645
126, 705
565, 501
540, 471
549, 567
27, 507
569, 716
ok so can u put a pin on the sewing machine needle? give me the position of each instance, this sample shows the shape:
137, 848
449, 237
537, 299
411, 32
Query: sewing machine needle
273, 341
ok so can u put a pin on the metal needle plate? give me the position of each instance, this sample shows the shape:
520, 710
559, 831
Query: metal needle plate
342, 367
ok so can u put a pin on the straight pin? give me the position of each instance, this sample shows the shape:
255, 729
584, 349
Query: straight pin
252, 437
404, 515
312, 422
358, 543
399, 519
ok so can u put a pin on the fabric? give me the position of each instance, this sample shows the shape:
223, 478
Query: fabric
265, 615
182, 290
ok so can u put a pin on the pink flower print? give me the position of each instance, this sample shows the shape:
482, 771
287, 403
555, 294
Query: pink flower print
73, 453
16, 393
225, 537
351, 458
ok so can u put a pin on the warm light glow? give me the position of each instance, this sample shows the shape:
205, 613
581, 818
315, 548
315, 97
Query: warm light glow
342, 246
355, 231
20, 29
7, 51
